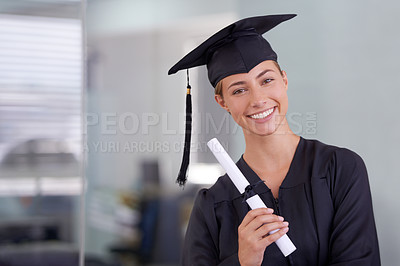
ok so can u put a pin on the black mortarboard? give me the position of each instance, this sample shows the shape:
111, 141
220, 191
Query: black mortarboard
235, 49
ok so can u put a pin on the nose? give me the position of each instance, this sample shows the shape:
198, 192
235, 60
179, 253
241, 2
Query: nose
258, 99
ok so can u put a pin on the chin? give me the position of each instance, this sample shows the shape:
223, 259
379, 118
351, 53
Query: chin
262, 132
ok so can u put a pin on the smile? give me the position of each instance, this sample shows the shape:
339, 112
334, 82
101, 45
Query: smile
263, 114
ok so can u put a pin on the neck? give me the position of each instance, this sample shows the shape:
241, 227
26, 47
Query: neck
275, 150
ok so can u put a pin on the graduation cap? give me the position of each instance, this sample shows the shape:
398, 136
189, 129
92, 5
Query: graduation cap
235, 49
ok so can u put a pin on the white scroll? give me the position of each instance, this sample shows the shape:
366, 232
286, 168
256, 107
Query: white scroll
238, 179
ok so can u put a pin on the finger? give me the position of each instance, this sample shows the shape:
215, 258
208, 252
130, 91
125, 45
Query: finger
275, 236
261, 220
251, 215
271, 228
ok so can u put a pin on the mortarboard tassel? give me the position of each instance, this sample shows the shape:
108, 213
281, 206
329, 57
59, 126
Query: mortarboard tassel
182, 177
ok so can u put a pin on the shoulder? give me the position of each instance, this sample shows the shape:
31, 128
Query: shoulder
340, 167
330, 155
222, 190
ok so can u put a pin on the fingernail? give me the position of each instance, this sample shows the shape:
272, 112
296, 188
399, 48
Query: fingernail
285, 229
280, 218
285, 223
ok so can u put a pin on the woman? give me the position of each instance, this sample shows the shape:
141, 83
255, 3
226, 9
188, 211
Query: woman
320, 192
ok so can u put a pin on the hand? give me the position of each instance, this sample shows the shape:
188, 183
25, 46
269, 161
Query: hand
254, 237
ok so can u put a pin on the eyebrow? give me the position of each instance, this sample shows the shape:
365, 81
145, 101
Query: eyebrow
262, 73
243, 82
236, 84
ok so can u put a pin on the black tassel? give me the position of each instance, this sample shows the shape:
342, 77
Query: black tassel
182, 176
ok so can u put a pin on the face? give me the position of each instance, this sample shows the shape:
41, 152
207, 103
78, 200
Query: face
256, 100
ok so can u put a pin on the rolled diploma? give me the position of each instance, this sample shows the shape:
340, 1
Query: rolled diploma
238, 179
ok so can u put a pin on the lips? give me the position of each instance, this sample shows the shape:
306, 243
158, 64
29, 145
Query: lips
263, 115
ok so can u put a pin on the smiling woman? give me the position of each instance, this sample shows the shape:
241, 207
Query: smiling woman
321, 192
257, 100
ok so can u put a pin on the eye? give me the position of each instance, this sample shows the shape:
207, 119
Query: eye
238, 91
266, 81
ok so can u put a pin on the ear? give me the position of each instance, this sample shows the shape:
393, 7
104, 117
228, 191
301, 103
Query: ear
221, 102
284, 77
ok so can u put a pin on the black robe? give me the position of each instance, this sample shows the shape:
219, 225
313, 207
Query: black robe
325, 197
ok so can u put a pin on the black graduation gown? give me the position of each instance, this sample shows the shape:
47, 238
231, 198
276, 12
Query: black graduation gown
325, 197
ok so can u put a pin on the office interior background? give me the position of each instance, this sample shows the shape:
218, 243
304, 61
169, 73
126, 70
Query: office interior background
92, 127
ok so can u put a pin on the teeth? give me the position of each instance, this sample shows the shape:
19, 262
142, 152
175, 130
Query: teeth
262, 115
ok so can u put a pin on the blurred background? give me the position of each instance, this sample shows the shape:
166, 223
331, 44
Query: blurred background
92, 128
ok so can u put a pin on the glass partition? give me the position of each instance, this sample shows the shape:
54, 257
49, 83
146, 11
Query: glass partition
40, 132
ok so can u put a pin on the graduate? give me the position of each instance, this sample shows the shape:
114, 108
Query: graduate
316, 193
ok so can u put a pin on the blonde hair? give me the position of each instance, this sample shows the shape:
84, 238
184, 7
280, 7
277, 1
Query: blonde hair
218, 87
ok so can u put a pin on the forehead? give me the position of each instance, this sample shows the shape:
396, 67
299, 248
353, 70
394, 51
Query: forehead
268, 65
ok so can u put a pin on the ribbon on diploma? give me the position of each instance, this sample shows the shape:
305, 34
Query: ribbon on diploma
249, 190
